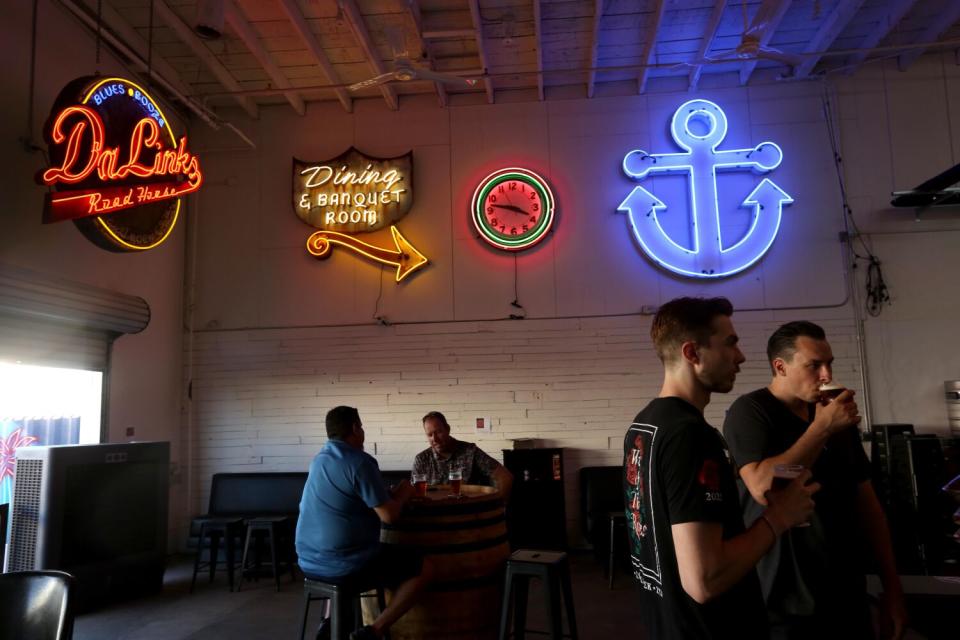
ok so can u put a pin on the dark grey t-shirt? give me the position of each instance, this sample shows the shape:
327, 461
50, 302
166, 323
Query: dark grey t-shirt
809, 569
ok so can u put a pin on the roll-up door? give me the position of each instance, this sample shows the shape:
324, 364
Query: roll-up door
50, 321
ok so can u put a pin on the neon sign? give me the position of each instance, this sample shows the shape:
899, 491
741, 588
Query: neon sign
112, 150
698, 127
405, 258
354, 192
512, 209
357, 193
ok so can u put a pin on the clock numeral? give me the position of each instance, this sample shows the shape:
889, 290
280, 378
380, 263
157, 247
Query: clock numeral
513, 231
500, 188
489, 209
493, 198
533, 219
533, 195
513, 186
535, 207
503, 228
494, 221
526, 228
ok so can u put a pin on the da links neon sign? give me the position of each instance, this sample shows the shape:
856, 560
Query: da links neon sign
356, 193
117, 170
698, 127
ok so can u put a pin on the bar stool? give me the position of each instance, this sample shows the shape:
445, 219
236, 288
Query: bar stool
344, 599
276, 530
618, 519
211, 530
553, 570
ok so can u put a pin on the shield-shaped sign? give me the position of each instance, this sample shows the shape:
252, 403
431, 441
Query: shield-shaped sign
354, 192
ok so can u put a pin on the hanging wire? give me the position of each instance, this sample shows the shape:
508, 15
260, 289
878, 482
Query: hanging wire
99, 30
877, 293
150, 49
516, 295
376, 305
28, 134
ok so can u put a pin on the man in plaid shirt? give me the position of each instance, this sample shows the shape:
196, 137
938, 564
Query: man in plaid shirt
446, 453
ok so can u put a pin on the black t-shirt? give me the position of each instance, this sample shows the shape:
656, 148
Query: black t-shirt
815, 570
675, 471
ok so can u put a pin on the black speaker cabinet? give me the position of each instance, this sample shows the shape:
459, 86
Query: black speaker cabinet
536, 515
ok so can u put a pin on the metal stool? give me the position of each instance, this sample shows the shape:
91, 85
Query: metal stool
345, 612
212, 529
618, 519
554, 572
274, 528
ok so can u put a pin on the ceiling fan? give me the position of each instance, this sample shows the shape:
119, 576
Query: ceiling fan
404, 70
750, 46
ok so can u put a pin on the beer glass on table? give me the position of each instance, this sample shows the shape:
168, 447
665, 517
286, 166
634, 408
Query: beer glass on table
420, 484
455, 477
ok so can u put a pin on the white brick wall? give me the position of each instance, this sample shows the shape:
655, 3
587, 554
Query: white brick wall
260, 396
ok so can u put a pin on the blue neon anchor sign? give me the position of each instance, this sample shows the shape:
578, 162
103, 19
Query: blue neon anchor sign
701, 160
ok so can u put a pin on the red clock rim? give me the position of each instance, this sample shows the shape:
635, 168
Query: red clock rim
535, 181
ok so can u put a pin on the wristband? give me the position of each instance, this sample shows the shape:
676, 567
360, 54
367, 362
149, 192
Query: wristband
773, 529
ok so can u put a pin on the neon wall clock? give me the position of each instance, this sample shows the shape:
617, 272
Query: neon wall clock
699, 127
513, 209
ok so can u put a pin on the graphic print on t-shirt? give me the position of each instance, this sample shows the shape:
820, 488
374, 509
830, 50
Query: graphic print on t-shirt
640, 517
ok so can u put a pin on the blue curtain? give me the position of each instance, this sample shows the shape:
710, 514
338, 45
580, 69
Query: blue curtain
28, 432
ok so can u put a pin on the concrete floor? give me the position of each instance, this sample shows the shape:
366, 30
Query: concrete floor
259, 611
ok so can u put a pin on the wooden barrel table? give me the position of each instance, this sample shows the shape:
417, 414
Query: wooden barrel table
466, 538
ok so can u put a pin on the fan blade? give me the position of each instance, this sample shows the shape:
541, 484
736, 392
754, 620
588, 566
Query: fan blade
446, 78
768, 53
373, 82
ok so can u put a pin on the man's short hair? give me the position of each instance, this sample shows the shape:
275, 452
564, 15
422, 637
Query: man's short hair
340, 421
783, 342
436, 415
685, 319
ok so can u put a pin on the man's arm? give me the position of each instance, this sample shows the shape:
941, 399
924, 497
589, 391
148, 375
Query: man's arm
502, 480
710, 565
834, 417
874, 524
389, 511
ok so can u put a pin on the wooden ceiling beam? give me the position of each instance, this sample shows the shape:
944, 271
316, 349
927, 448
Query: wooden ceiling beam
649, 44
939, 24
895, 13
359, 29
594, 46
199, 49
481, 51
245, 32
292, 9
712, 26
417, 17
770, 13
538, 34
831, 28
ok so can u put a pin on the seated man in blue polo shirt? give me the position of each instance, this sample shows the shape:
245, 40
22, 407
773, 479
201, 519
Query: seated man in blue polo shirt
338, 534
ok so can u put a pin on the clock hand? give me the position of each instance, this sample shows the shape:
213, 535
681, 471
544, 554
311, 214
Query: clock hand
510, 207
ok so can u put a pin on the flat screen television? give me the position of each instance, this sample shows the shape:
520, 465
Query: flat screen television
98, 512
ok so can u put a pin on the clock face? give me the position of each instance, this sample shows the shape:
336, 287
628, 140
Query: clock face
512, 209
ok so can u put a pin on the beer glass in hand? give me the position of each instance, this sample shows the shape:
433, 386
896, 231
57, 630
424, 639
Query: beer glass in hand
784, 474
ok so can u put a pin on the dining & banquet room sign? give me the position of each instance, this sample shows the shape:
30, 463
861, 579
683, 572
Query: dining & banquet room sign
117, 170
355, 193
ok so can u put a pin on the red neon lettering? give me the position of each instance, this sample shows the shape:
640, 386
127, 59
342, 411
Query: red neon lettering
145, 135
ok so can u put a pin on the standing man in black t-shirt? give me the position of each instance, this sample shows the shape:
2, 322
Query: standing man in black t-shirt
813, 578
691, 555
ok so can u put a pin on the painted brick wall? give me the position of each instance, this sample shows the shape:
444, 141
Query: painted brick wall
260, 396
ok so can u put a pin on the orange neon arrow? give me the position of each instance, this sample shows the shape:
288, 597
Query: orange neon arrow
406, 258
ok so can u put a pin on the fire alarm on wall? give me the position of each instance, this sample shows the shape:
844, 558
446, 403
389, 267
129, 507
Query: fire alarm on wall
484, 425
